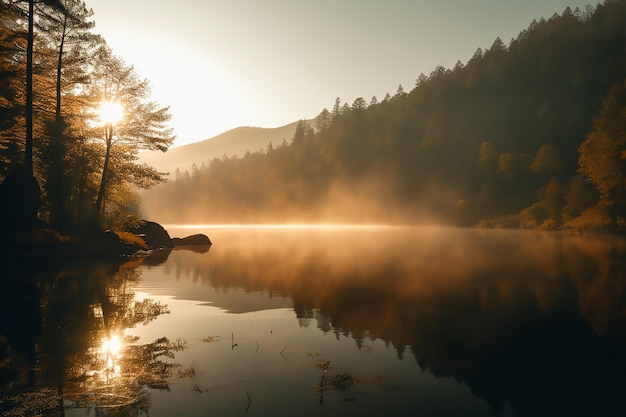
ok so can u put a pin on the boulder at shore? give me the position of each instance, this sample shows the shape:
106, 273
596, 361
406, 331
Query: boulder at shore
193, 240
20, 199
156, 236
153, 234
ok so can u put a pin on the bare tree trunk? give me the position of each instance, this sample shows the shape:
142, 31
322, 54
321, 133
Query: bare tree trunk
105, 169
56, 180
28, 157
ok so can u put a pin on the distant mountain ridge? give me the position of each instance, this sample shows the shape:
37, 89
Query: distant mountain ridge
235, 142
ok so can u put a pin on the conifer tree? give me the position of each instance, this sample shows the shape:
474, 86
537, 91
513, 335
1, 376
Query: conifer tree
68, 33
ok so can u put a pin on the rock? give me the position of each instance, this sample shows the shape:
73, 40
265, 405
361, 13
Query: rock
20, 199
193, 240
153, 234
157, 257
110, 240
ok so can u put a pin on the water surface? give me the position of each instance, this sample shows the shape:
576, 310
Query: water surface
349, 321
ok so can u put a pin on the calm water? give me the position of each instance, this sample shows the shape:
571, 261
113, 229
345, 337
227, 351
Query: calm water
324, 322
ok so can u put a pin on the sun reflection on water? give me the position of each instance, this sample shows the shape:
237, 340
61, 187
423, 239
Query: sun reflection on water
320, 226
110, 351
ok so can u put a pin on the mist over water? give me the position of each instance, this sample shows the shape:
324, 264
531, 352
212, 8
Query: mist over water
410, 262
333, 319
370, 200
530, 322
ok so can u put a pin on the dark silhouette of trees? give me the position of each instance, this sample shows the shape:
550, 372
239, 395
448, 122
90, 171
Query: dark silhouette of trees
64, 88
22, 190
303, 130
322, 121
12, 74
69, 34
28, 154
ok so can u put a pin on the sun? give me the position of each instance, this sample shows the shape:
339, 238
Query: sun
110, 112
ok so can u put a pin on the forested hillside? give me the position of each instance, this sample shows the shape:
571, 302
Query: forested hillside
235, 142
529, 134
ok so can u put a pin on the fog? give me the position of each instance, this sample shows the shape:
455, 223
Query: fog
373, 200
510, 313
493, 271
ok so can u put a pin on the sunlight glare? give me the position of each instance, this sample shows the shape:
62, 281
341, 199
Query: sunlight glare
312, 226
110, 350
110, 112
111, 345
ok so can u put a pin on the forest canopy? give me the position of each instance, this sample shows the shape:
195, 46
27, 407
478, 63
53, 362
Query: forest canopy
529, 134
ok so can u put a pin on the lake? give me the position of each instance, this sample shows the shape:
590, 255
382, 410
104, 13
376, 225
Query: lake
325, 321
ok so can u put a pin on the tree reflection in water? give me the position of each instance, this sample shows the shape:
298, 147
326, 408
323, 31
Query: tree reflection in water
63, 344
532, 320
534, 323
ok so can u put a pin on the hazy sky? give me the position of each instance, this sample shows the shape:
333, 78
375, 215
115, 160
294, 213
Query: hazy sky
229, 63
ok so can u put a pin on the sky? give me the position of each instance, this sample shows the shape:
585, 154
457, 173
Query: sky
221, 64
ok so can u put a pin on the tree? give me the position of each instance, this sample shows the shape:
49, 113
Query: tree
603, 153
487, 152
68, 33
142, 127
513, 164
550, 199
547, 161
28, 152
323, 119
12, 40
497, 46
579, 196
435, 74
28, 158
303, 130
359, 104
23, 196
336, 108
421, 79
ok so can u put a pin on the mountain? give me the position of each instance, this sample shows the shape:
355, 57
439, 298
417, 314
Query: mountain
235, 142
526, 135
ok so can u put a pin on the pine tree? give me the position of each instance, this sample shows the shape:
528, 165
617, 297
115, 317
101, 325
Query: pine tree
69, 34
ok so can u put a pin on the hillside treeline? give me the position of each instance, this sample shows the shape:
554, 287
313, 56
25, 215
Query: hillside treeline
529, 134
